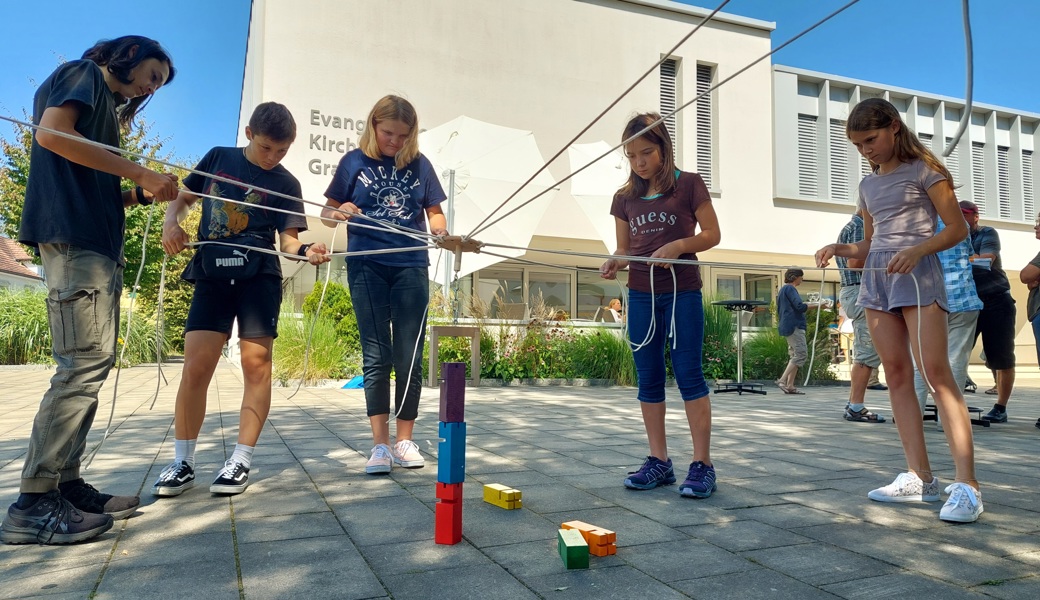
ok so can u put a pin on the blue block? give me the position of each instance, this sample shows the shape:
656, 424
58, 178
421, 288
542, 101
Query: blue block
451, 452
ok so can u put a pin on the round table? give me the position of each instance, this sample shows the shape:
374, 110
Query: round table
739, 386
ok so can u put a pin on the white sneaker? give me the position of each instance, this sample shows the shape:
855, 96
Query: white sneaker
964, 504
406, 454
907, 487
381, 460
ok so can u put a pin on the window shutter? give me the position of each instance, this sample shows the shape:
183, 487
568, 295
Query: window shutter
808, 179
705, 139
839, 161
1028, 205
669, 68
1003, 183
978, 176
953, 162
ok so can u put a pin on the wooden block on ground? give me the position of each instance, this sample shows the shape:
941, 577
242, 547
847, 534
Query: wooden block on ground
602, 542
573, 549
449, 491
503, 496
448, 522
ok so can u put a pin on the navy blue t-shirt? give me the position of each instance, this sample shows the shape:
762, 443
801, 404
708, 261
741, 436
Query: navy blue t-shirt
66, 202
382, 191
222, 220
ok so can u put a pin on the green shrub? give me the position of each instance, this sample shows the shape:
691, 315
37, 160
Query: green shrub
328, 358
141, 345
25, 335
338, 308
720, 352
765, 355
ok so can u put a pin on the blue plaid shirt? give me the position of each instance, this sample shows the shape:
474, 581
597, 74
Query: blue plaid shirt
850, 234
960, 285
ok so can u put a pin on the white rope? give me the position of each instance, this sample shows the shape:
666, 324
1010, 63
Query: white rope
126, 339
314, 320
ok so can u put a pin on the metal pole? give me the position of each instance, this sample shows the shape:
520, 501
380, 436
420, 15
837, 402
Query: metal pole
448, 258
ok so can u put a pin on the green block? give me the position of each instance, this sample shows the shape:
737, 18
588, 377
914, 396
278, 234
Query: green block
574, 550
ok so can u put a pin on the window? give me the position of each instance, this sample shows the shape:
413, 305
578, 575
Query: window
926, 139
550, 295
501, 293
839, 162
1028, 205
978, 176
669, 96
595, 293
749, 286
704, 125
808, 180
1003, 183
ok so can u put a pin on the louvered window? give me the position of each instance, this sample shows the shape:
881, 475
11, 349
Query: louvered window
704, 125
1028, 205
926, 139
864, 167
978, 175
839, 162
1003, 183
953, 162
808, 180
669, 96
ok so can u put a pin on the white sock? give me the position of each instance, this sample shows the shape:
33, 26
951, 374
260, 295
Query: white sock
185, 451
243, 454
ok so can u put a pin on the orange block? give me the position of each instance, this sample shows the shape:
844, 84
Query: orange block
602, 542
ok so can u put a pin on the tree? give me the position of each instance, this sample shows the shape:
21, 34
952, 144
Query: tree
14, 173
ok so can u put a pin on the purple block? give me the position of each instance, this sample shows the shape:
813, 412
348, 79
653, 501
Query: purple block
453, 392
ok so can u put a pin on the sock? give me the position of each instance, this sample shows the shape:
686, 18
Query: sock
856, 407
26, 500
999, 409
243, 454
185, 451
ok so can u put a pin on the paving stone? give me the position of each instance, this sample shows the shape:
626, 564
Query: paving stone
757, 583
315, 568
736, 536
899, 586
481, 582
819, 564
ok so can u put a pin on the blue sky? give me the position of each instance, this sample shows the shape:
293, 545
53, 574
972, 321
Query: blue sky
916, 44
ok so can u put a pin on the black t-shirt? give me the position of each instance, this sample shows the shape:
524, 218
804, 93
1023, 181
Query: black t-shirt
65, 202
222, 220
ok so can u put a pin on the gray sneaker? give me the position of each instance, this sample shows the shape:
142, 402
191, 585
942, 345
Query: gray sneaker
907, 487
51, 520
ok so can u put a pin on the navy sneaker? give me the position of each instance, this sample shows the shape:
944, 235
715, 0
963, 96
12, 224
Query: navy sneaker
232, 479
174, 480
653, 473
51, 520
84, 497
996, 415
700, 482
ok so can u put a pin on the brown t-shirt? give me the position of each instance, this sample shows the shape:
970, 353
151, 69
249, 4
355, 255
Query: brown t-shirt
654, 223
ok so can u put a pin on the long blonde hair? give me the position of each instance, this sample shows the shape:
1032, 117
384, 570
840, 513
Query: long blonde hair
392, 108
877, 113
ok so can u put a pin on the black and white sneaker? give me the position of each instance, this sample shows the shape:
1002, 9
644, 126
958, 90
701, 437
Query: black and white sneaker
232, 479
174, 480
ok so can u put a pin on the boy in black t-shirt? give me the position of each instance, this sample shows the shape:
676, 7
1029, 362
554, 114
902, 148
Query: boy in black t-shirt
253, 299
74, 217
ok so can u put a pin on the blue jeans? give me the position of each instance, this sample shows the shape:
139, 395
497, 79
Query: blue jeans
83, 290
689, 343
390, 305
1036, 335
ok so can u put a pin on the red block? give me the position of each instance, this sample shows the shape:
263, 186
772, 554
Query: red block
453, 393
452, 492
448, 523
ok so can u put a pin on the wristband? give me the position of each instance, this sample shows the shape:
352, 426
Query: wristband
303, 249
141, 199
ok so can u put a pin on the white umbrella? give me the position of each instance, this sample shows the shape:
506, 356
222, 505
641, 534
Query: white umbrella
593, 190
480, 165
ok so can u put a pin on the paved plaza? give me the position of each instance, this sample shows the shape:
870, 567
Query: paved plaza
790, 519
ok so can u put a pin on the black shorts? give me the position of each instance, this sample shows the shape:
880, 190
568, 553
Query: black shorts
254, 302
997, 327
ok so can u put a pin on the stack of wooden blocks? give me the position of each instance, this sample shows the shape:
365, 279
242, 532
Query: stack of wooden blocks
576, 540
451, 455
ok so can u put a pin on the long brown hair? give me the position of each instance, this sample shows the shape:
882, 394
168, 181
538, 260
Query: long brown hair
392, 108
664, 180
877, 113
120, 56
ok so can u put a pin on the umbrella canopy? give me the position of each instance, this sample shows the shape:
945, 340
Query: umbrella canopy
489, 163
593, 189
